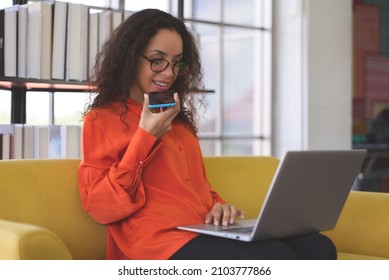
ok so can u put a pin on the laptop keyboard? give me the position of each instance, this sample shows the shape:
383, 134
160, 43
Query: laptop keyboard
239, 229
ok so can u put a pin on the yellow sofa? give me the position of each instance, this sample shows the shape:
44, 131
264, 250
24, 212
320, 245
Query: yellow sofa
41, 216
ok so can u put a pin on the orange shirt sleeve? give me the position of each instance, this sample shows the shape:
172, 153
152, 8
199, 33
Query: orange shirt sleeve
110, 180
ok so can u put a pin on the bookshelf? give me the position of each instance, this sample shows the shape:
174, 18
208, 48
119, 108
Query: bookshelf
371, 89
371, 64
20, 82
20, 140
70, 72
19, 85
42, 84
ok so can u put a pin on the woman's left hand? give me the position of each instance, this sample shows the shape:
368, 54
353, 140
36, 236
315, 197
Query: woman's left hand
224, 214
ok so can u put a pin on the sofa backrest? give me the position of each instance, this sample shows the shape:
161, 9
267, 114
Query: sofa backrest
44, 193
242, 180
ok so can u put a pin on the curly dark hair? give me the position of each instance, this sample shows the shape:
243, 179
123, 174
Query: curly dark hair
117, 63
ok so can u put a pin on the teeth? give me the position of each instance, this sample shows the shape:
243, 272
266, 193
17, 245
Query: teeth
160, 84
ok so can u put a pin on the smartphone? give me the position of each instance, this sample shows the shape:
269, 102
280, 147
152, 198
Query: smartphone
160, 99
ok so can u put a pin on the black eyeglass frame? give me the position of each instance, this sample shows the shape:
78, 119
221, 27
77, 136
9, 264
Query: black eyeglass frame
176, 65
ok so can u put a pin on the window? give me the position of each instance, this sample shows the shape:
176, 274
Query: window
38, 108
235, 41
63, 108
163, 5
5, 108
69, 106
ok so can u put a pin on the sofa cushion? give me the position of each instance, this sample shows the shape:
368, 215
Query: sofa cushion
363, 225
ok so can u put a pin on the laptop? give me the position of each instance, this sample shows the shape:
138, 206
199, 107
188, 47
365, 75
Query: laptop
306, 195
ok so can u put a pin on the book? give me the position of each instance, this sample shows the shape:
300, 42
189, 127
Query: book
59, 40
17, 141
105, 27
40, 39
117, 18
11, 41
28, 142
34, 46
377, 82
5, 146
93, 41
77, 43
55, 141
70, 141
366, 40
6, 131
47, 39
2, 12
41, 142
22, 40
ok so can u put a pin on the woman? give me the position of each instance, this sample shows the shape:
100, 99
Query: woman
142, 173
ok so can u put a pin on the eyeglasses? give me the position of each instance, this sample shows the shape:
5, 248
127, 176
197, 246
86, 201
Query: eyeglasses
157, 65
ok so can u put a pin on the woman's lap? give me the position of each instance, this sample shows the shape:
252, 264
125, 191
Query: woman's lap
312, 246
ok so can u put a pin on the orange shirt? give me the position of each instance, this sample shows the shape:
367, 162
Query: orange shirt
141, 187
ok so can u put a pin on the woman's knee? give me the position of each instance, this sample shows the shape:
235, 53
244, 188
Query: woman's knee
313, 247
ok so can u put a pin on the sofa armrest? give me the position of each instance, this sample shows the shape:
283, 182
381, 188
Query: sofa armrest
363, 226
20, 241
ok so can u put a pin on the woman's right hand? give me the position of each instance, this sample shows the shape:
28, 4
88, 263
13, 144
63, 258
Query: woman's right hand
158, 124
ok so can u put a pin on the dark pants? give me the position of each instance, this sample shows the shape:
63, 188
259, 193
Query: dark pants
305, 247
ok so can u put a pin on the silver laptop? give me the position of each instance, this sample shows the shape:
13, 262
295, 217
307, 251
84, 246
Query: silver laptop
307, 194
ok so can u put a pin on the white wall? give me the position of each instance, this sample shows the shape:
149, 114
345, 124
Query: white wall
312, 75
